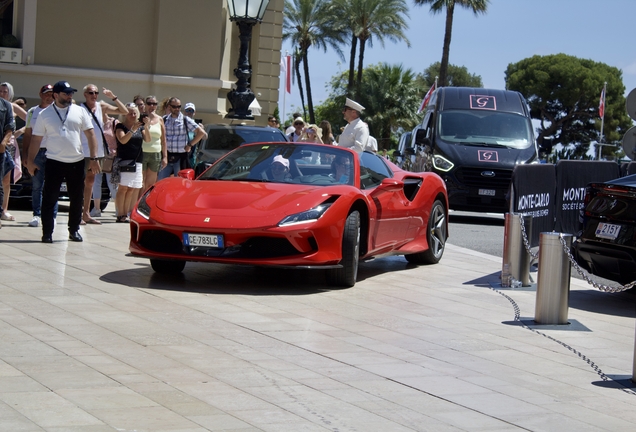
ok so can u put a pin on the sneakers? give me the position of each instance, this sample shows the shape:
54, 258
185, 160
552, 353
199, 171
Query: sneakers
96, 212
35, 222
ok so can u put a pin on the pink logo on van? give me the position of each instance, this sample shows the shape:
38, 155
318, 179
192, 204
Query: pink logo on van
488, 156
483, 102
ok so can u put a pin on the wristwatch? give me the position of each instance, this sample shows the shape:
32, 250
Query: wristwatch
94, 159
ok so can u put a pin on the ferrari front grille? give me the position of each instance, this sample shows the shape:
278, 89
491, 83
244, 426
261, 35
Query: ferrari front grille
161, 241
267, 247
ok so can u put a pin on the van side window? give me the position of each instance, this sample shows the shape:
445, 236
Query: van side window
373, 170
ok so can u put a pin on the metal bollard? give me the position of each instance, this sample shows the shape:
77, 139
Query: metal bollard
514, 253
553, 284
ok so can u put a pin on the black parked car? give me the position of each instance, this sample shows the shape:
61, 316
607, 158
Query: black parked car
606, 246
21, 190
223, 138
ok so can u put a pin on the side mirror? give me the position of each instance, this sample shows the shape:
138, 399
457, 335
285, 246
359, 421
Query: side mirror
421, 138
187, 174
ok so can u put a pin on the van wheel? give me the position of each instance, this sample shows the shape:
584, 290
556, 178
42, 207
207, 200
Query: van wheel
435, 236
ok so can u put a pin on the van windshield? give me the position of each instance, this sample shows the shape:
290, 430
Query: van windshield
482, 127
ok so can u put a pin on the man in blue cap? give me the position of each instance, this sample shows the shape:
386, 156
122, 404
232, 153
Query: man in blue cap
61, 123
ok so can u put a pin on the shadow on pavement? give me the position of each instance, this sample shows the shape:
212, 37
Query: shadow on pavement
210, 278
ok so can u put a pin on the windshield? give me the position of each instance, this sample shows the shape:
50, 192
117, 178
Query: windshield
285, 163
481, 127
228, 139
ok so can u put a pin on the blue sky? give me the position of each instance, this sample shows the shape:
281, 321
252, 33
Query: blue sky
510, 31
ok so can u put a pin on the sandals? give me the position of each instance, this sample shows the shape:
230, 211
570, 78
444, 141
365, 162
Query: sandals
122, 219
6, 216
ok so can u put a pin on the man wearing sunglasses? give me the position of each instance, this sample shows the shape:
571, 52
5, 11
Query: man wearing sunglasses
356, 134
178, 141
95, 108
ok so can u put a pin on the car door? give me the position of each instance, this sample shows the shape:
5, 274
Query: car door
390, 218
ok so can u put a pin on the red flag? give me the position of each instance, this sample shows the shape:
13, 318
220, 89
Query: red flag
288, 74
601, 104
427, 98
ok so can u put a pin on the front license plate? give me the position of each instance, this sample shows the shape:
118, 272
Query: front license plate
63, 187
607, 231
487, 192
203, 240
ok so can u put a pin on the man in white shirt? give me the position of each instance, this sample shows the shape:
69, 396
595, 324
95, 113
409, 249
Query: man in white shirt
61, 123
95, 108
356, 134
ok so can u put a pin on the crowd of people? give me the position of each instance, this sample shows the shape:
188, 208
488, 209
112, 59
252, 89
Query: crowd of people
354, 135
68, 141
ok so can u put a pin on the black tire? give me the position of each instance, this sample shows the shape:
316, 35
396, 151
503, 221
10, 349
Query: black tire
435, 236
167, 267
346, 276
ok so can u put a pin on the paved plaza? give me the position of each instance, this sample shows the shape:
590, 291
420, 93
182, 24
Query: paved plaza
92, 340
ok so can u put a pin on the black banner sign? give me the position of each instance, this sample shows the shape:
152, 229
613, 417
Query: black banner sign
534, 188
572, 176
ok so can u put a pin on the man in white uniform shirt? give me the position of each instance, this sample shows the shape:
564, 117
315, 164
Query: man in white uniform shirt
61, 123
356, 134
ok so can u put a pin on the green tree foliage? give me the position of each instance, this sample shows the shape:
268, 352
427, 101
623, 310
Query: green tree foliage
366, 20
391, 98
308, 23
457, 76
563, 93
437, 6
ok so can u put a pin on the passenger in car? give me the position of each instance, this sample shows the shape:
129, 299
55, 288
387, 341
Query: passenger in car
280, 169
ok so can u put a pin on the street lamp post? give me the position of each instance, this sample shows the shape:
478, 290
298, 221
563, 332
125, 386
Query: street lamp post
246, 13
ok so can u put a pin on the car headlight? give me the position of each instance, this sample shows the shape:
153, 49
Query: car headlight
306, 216
442, 164
142, 206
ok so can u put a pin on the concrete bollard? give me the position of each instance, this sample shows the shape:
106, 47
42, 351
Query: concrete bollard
515, 253
553, 284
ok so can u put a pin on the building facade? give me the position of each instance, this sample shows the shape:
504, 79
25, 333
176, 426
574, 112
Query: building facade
182, 48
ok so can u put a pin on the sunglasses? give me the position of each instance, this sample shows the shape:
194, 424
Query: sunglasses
176, 106
151, 103
92, 92
343, 164
299, 124
189, 110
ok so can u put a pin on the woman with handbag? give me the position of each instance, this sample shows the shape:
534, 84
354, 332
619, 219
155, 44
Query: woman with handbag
131, 133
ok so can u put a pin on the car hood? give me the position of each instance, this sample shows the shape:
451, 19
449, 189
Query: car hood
235, 203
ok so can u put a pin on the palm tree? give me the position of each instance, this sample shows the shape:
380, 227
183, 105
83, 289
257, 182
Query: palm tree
477, 6
391, 97
307, 23
297, 60
366, 19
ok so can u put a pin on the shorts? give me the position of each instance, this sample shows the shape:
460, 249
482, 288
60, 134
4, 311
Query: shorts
87, 163
152, 161
9, 164
133, 180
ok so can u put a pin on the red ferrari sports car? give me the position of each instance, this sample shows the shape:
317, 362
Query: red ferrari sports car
292, 205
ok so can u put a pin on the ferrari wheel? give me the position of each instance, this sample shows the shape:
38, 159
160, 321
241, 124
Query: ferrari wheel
167, 267
346, 276
435, 236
